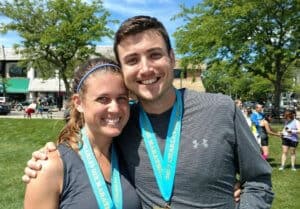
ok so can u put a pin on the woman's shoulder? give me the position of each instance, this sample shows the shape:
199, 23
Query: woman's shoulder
53, 166
51, 174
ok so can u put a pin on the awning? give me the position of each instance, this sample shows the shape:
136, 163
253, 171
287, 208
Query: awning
49, 85
17, 85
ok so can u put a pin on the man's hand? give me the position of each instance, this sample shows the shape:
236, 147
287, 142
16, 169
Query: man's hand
33, 166
237, 191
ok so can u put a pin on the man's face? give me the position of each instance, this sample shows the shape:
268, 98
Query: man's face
147, 65
259, 108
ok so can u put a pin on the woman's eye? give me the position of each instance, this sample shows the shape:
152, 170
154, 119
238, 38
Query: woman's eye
103, 100
123, 99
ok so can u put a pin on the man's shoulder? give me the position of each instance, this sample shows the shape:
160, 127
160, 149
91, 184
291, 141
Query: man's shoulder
214, 98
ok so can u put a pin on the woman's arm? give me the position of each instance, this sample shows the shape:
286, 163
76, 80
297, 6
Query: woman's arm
269, 129
43, 192
297, 131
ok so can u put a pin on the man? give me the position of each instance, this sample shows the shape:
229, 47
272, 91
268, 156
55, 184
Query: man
195, 143
257, 116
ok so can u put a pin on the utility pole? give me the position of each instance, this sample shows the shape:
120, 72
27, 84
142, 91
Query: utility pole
2, 70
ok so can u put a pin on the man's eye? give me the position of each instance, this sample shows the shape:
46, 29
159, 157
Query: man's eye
131, 61
156, 55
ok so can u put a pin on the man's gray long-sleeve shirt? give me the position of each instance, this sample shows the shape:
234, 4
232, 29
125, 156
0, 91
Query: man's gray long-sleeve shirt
216, 145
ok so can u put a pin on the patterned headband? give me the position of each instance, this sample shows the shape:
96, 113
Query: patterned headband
97, 67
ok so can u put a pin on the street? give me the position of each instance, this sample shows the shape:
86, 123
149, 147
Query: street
20, 114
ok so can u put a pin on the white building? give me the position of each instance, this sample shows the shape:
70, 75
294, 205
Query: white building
24, 84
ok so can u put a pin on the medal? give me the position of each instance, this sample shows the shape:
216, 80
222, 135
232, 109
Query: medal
99, 187
167, 206
164, 167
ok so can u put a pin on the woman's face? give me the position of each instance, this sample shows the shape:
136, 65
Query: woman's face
104, 104
288, 116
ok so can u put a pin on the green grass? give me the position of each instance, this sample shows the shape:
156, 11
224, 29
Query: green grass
286, 184
19, 137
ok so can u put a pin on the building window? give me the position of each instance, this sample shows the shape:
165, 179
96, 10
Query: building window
16, 71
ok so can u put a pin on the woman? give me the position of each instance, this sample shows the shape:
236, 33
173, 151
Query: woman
289, 138
30, 109
84, 172
264, 138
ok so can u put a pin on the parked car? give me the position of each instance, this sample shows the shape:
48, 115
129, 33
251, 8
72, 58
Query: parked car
249, 104
5, 106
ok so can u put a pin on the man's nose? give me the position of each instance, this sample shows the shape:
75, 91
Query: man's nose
145, 65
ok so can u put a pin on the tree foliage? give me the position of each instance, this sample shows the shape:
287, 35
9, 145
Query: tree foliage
257, 36
56, 35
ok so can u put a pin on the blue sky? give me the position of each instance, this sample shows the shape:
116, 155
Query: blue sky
123, 9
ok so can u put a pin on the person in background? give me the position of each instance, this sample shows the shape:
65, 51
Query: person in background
247, 114
265, 131
239, 103
40, 107
85, 173
289, 137
30, 109
256, 116
194, 143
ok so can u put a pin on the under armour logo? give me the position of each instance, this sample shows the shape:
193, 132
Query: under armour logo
196, 143
204, 143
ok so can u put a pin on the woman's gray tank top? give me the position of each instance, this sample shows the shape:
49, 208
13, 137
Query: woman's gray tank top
77, 192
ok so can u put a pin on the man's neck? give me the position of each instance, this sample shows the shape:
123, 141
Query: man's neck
161, 104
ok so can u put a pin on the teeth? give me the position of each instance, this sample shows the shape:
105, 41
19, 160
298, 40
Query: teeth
112, 121
149, 81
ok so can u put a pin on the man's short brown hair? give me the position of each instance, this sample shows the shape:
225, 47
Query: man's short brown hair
138, 24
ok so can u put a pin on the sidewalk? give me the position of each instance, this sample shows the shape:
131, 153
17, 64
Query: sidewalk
20, 114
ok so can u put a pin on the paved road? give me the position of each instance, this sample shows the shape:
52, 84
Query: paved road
55, 115
20, 114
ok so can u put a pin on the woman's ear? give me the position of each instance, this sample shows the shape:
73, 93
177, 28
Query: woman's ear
77, 102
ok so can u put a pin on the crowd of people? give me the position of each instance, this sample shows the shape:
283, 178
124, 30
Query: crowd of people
260, 124
39, 106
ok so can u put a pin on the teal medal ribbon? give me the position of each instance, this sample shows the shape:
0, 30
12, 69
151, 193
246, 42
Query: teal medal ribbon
96, 178
164, 168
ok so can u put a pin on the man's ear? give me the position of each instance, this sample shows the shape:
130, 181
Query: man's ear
77, 102
172, 58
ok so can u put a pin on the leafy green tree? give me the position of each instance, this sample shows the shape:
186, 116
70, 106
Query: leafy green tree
221, 78
258, 36
56, 35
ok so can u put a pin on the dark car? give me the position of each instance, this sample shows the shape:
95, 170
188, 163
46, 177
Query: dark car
249, 104
5, 106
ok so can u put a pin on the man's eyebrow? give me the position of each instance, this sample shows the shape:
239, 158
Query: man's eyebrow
148, 51
130, 55
154, 49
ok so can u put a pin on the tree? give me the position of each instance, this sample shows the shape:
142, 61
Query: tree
258, 36
57, 35
221, 78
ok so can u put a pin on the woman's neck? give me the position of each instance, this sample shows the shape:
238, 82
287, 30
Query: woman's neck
100, 144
